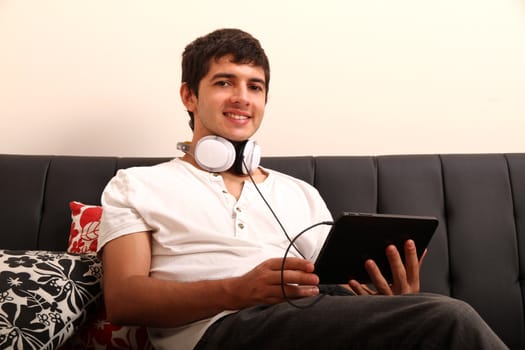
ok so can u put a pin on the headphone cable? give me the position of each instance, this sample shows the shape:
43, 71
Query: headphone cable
271, 210
283, 285
292, 244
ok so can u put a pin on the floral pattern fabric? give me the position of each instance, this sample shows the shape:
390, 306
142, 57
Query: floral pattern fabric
98, 333
45, 296
85, 221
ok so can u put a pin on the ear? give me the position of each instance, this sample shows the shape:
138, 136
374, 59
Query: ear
188, 97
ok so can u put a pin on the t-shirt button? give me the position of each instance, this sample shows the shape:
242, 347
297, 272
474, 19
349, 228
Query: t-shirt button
241, 225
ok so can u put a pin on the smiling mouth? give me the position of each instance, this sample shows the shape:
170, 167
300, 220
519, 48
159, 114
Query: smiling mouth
236, 116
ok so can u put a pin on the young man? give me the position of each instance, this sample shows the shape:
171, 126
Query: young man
191, 249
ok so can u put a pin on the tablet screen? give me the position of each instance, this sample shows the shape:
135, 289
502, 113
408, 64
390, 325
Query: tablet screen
356, 237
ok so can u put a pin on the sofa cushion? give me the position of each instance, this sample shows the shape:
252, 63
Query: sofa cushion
85, 221
98, 332
45, 296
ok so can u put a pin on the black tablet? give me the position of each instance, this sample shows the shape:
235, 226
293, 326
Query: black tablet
356, 237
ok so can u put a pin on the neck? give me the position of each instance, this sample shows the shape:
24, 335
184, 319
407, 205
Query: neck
189, 159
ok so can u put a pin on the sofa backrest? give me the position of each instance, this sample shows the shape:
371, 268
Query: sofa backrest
477, 253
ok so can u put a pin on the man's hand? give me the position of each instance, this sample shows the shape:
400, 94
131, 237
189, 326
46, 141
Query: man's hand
405, 278
262, 285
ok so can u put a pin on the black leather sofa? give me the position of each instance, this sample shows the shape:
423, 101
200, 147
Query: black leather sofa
477, 253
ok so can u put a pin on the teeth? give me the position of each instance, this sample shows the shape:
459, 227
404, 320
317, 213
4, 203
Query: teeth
236, 116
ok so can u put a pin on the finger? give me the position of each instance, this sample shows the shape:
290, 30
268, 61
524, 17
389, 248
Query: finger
291, 263
399, 273
296, 277
412, 263
271, 272
357, 288
423, 257
378, 280
368, 289
360, 288
294, 292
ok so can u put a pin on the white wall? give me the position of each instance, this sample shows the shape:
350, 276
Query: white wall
348, 76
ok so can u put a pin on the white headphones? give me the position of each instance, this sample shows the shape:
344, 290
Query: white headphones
216, 154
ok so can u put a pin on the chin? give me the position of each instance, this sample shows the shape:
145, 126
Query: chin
237, 137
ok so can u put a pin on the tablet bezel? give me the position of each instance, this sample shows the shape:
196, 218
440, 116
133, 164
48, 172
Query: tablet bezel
356, 237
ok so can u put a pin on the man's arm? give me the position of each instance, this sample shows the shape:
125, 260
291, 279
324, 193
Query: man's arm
133, 297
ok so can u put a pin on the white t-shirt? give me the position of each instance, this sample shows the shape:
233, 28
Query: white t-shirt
200, 231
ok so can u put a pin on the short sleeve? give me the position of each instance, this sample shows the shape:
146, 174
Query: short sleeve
321, 227
119, 215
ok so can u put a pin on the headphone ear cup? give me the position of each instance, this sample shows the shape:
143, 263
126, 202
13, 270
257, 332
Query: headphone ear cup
252, 157
214, 154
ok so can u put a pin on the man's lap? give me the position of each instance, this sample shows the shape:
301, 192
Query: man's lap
331, 320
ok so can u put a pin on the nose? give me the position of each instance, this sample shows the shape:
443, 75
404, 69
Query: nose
240, 95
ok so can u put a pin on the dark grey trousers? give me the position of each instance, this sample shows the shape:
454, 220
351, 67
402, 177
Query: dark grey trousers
416, 321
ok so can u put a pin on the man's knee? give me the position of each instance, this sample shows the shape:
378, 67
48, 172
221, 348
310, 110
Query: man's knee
456, 317
453, 310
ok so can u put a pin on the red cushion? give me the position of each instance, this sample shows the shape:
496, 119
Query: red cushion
85, 221
98, 332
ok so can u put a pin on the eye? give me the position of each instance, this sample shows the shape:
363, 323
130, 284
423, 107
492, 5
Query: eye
222, 83
256, 87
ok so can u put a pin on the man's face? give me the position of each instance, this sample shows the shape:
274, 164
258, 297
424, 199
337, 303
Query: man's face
231, 100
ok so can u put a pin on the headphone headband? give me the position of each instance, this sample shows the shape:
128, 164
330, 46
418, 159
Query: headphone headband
217, 154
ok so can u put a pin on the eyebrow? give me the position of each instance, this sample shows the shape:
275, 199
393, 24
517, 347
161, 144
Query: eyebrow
231, 75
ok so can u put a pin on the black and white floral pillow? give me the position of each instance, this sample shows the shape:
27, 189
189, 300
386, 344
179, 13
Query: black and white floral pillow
45, 296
